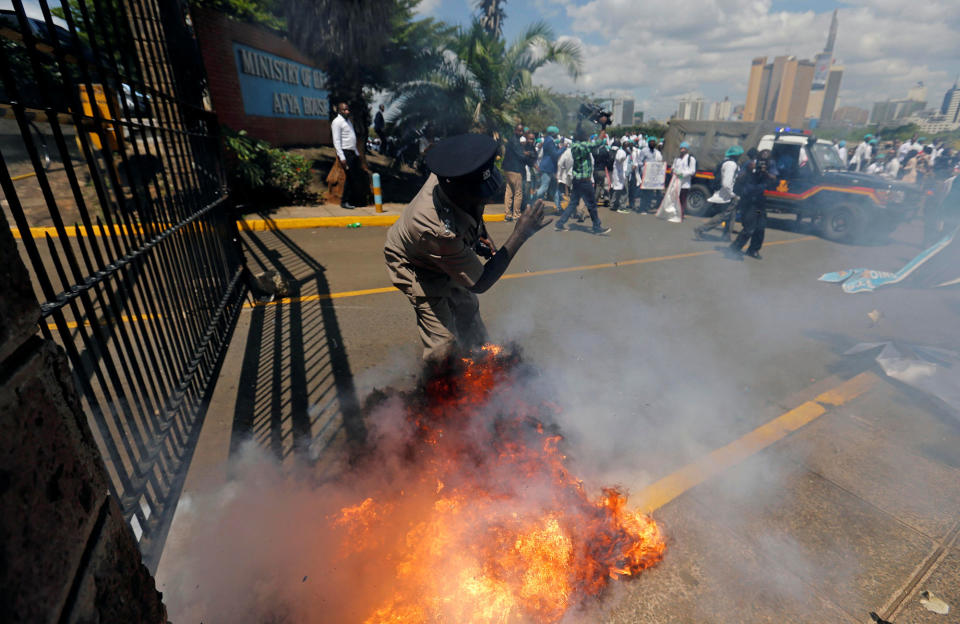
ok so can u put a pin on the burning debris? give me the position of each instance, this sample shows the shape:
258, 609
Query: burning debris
487, 524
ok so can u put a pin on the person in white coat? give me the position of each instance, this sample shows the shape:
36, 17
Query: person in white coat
684, 167
565, 176
618, 178
648, 197
724, 197
862, 155
842, 152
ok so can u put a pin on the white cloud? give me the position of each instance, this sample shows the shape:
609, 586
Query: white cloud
428, 7
658, 53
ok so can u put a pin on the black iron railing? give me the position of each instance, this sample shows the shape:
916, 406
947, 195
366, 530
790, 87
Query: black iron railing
111, 175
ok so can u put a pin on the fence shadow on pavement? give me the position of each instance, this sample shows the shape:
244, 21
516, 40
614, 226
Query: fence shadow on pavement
296, 395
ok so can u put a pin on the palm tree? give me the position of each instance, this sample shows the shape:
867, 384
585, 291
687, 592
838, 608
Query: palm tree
479, 82
348, 38
491, 16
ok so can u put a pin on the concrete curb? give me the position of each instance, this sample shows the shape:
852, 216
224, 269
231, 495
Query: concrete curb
250, 225
294, 223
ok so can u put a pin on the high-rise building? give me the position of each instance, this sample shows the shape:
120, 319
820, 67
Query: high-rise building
622, 112
720, 111
950, 108
852, 114
756, 90
794, 92
892, 110
789, 90
692, 108
830, 93
823, 94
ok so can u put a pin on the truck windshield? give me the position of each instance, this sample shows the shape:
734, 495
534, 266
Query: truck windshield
827, 157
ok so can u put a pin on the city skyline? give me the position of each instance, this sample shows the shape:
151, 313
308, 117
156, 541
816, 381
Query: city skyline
657, 57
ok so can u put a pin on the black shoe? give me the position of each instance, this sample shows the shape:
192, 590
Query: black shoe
754, 254
602, 230
347, 206
561, 228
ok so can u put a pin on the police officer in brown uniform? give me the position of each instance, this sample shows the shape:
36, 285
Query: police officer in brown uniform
434, 250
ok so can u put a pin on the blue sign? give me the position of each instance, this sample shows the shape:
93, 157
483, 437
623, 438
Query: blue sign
272, 86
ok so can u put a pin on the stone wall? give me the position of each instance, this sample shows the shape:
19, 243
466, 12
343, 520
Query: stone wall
66, 553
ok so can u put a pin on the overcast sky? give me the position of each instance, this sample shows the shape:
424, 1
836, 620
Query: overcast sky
657, 52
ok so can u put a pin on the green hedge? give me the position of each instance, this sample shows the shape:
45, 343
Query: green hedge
256, 166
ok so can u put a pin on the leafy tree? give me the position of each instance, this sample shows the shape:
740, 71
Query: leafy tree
262, 12
483, 83
350, 39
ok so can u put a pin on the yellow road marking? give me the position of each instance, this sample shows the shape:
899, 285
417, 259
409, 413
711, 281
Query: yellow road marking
23, 176
847, 391
672, 486
74, 231
104, 322
574, 269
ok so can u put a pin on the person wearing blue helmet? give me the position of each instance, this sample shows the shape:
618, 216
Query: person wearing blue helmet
842, 152
724, 196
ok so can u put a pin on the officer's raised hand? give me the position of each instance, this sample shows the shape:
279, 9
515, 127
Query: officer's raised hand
531, 220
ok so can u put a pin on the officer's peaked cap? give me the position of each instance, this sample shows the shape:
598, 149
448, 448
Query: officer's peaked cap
465, 161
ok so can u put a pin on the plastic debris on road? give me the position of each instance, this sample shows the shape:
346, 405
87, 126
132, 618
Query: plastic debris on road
932, 370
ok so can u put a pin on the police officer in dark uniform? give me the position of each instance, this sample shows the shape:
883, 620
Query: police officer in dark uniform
758, 176
433, 252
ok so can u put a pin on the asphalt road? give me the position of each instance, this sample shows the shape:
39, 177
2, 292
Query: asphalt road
658, 350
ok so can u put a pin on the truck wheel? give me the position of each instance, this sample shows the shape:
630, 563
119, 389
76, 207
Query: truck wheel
842, 223
697, 204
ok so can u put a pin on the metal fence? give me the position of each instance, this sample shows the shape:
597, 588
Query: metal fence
111, 174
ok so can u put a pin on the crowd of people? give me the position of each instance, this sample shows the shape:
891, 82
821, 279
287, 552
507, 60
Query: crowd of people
608, 169
912, 161
589, 169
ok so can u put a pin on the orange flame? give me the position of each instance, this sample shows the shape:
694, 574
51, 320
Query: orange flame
496, 529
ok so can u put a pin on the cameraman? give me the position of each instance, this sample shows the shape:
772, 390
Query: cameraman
756, 177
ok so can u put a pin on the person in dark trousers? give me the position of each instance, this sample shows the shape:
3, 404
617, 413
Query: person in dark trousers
435, 251
725, 196
548, 167
345, 144
379, 123
756, 178
582, 186
514, 169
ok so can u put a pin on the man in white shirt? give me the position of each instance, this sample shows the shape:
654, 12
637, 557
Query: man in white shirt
345, 143
724, 196
862, 155
684, 167
650, 153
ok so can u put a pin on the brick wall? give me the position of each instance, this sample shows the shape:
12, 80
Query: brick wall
66, 552
217, 34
